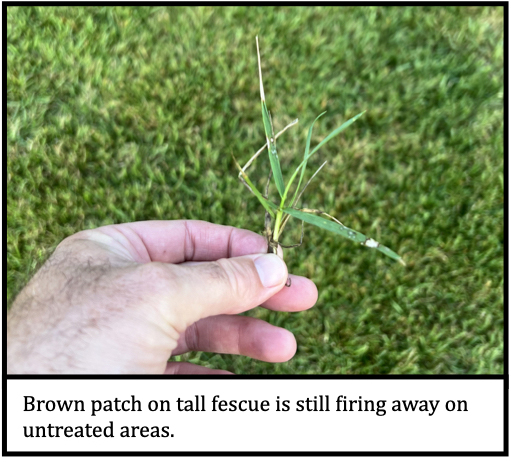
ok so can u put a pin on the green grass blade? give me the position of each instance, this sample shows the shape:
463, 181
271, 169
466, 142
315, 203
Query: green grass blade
336, 132
342, 231
328, 138
268, 130
269, 206
305, 157
272, 150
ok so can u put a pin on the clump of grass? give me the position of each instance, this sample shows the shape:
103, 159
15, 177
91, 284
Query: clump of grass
280, 212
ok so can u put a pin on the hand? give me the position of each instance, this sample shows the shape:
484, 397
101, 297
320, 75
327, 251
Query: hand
124, 298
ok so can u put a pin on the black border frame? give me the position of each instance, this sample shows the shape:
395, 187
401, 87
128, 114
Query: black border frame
503, 377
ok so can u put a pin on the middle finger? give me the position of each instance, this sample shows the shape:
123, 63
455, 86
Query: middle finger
239, 335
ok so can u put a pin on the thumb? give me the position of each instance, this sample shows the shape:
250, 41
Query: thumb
225, 286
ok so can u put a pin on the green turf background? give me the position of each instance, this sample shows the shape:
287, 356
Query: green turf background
124, 114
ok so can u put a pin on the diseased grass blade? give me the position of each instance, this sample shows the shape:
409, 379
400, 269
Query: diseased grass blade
305, 158
268, 129
270, 207
272, 151
265, 146
336, 132
338, 228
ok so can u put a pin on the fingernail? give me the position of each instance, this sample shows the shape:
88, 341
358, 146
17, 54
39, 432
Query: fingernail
271, 269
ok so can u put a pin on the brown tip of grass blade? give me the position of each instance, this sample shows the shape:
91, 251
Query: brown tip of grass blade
261, 89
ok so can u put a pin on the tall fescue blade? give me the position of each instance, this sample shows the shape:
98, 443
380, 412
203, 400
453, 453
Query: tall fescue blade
305, 157
269, 206
265, 146
336, 132
268, 129
286, 209
272, 151
303, 163
342, 230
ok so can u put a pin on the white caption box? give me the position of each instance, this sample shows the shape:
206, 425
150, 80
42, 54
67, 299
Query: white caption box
324, 415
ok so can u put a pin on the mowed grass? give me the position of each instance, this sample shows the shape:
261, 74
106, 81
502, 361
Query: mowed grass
125, 114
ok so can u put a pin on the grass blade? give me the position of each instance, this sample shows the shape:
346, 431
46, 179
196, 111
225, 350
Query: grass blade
295, 201
336, 132
338, 228
254, 157
305, 158
328, 138
272, 151
307, 184
269, 206
268, 129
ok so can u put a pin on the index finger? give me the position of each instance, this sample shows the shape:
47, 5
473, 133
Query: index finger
191, 240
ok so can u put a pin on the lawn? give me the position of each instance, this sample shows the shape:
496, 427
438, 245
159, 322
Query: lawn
128, 113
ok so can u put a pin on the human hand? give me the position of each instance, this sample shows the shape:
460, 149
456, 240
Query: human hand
124, 298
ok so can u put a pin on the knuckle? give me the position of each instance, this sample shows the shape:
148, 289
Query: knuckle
192, 337
75, 239
236, 276
156, 277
